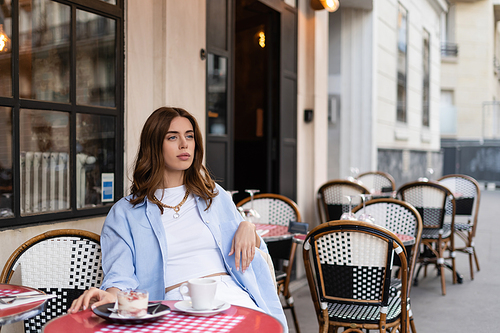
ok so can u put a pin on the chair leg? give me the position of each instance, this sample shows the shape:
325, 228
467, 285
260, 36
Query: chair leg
294, 316
471, 264
412, 325
477, 261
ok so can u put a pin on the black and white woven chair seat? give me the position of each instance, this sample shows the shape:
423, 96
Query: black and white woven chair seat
366, 313
460, 226
428, 233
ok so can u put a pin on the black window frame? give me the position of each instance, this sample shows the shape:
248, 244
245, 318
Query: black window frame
15, 103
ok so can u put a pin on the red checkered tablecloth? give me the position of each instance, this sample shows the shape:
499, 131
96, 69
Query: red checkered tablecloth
178, 323
10, 292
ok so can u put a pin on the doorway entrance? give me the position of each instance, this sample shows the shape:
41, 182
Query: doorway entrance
252, 95
256, 110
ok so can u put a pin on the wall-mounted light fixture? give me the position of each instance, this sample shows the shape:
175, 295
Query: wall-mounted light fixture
262, 39
4, 40
329, 5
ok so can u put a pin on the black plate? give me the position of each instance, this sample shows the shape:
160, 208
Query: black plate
103, 312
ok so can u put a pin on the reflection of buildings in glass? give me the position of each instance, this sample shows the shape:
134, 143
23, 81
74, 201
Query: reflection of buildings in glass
96, 140
44, 50
217, 94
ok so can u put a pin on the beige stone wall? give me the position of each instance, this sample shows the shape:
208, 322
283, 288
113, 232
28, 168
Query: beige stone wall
471, 76
389, 133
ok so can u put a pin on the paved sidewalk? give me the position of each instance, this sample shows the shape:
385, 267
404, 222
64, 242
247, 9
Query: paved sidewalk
468, 307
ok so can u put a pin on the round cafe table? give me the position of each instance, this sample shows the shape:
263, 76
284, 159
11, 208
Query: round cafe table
20, 312
235, 319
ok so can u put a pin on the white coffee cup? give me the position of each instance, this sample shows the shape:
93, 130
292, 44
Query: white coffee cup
202, 292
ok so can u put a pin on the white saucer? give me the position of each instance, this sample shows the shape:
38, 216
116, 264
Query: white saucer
185, 306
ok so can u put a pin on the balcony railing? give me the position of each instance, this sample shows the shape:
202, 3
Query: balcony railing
449, 50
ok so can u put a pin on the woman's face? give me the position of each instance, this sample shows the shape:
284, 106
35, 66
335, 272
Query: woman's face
178, 146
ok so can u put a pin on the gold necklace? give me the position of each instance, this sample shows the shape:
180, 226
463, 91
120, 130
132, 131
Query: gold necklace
175, 208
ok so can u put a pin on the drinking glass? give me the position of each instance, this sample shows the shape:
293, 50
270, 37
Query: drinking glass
349, 215
354, 174
232, 193
428, 175
251, 214
365, 216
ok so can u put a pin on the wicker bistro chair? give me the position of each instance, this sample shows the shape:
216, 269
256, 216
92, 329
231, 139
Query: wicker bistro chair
331, 199
380, 183
280, 210
430, 200
467, 197
348, 266
64, 262
400, 218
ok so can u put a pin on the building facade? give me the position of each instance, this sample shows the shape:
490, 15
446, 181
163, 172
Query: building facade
384, 74
470, 88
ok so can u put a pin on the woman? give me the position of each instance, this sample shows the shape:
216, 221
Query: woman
178, 224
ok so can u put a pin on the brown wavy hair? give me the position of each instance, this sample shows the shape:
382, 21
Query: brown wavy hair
149, 165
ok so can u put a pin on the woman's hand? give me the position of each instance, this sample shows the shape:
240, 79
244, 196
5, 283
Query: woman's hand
243, 246
93, 297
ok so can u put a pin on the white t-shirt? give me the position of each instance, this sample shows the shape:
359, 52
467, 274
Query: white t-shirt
191, 248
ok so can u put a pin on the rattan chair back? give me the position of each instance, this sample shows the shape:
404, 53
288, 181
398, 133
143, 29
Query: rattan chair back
348, 266
64, 262
273, 208
331, 200
431, 199
467, 197
378, 182
400, 218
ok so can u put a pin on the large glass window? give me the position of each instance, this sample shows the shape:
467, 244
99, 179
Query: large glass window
402, 63
44, 45
426, 48
95, 63
60, 118
44, 161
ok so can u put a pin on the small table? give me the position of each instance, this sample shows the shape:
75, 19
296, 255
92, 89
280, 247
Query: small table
235, 319
273, 233
22, 311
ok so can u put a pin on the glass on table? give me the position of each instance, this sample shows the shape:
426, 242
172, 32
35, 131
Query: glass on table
251, 214
365, 217
349, 215
354, 173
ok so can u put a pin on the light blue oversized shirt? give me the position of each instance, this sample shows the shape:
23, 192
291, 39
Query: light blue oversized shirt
134, 248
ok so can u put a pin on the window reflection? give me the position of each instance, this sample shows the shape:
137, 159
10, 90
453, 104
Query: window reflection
45, 167
5, 49
44, 51
95, 136
6, 207
217, 94
95, 63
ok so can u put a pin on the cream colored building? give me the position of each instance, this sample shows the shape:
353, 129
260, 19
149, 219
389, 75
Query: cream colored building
365, 130
470, 88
